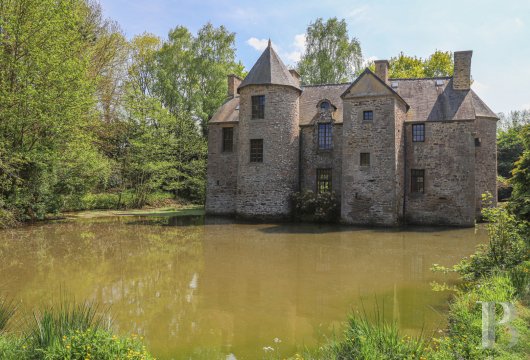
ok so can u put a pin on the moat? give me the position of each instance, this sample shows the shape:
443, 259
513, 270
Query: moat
212, 288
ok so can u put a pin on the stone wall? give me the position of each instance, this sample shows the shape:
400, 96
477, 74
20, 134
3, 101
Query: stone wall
486, 160
448, 157
265, 189
221, 185
313, 158
369, 192
400, 112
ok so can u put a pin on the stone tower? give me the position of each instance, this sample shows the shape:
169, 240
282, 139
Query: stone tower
373, 144
268, 138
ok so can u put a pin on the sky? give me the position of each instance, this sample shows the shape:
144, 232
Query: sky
497, 31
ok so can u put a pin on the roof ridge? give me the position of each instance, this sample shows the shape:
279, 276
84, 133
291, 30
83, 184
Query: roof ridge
330, 84
426, 78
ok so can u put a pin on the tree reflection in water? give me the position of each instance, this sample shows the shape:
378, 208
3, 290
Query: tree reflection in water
205, 288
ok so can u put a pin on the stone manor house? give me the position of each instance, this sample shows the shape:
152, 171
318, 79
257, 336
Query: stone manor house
393, 151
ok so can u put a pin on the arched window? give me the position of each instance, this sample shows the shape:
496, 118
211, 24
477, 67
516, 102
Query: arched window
325, 105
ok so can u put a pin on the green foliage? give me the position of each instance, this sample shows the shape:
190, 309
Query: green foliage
53, 324
508, 247
510, 141
96, 344
7, 310
364, 339
70, 331
330, 55
520, 202
46, 104
109, 201
308, 206
464, 335
438, 64
82, 110
191, 71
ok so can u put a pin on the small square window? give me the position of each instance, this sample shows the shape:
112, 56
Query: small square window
324, 136
417, 180
228, 139
258, 107
368, 115
256, 150
365, 159
418, 132
477, 142
323, 180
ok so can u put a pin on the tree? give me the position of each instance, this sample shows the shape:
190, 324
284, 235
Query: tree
437, 65
192, 71
520, 201
330, 55
510, 142
47, 100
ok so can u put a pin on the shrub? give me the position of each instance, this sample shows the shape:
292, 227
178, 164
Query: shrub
96, 344
69, 331
308, 206
464, 337
506, 249
53, 324
367, 340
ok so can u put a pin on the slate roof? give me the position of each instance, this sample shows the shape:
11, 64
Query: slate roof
228, 112
429, 102
312, 95
269, 69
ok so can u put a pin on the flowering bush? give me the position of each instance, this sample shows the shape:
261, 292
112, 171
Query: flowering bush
308, 206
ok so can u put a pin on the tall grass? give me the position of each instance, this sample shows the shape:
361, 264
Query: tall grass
52, 324
7, 310
369, 339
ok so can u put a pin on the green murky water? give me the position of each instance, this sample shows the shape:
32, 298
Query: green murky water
212, 289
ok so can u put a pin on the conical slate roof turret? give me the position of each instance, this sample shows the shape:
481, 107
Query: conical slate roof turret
269, 69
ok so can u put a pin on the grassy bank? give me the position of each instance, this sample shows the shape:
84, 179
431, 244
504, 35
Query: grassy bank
106, 204
498, 272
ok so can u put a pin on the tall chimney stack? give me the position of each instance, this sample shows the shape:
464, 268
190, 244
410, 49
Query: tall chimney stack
233, 83
381, 69
462, 74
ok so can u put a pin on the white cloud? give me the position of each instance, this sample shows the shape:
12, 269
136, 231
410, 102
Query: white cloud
368, 60
359, 13
298, 46
258, 44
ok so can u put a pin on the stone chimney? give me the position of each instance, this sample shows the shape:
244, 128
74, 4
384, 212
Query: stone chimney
233, 83
295, 75
381, 70
462, 74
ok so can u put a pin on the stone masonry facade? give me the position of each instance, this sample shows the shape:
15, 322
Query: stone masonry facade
393, 151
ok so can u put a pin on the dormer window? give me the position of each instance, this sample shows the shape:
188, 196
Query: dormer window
325, 105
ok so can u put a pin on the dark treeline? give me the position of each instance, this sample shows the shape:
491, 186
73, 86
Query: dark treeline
85, 111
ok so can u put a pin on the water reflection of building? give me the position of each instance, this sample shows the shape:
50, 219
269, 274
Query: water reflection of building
295, 284
232, 287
